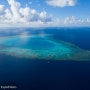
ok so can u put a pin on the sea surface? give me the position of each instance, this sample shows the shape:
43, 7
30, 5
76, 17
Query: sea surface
35, 74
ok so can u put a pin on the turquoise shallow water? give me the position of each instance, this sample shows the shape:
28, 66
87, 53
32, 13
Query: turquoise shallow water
40, 47
29, 42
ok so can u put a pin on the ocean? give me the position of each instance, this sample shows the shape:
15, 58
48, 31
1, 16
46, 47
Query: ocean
47, 74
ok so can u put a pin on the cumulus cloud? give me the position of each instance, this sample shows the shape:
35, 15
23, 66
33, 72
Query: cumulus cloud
69, 22
16, 14
74, 20
61, 3
2, 8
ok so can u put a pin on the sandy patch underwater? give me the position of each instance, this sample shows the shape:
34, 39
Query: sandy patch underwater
41, 47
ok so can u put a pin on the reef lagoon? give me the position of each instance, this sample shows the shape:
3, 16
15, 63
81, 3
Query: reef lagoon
42, 47
45, 58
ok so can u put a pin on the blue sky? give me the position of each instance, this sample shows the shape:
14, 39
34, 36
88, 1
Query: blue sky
75, 9
81, 9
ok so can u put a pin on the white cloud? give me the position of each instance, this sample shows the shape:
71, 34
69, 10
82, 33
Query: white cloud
69, 22
2, 8
15, 14
61, 3
15, 6
73, 21
77, 21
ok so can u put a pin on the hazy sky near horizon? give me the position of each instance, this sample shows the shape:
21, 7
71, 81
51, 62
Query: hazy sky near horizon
45, 12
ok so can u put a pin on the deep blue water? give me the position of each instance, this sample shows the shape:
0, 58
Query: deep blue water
29, 74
